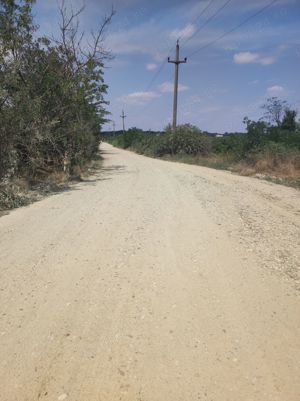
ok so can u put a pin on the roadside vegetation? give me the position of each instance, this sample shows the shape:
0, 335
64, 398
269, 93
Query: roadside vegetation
52, 102
269, 149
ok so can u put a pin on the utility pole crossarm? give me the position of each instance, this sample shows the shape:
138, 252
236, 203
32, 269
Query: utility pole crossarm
177, 62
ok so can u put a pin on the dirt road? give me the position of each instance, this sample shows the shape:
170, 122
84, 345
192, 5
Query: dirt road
154, 281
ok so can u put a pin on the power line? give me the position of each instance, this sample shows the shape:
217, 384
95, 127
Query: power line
203, 11
234, 28
168, 54
197, 18
157, 73
219, 37
208, 21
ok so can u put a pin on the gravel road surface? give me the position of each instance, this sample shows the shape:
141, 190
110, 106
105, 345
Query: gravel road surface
152, 281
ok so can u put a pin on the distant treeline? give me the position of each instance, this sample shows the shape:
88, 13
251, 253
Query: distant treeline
270, 145
110, 134
113, 134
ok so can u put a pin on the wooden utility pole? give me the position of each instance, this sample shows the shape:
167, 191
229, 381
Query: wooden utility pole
123, 118
114, 127
176, 62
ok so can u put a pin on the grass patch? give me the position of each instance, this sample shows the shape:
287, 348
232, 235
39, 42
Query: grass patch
11, 199
288, 182
216, 162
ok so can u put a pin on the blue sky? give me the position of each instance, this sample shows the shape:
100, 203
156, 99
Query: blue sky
220, 84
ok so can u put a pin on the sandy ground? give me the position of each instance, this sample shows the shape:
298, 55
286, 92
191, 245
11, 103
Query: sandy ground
154, 281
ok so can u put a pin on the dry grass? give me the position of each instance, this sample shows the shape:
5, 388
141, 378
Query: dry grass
21, 183
22, 190
280, 170
243, 169
284, 167
58, 177
273, 165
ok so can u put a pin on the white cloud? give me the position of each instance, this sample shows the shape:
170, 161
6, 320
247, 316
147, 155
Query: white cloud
249, 57
167, 87
275, 90
195, 99
209, 109
245, 57
267, 60
138, 98
151, 66
140, 39
184, 33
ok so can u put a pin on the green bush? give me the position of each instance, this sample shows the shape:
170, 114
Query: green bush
288, 138
234, 145
184, 140
128, 139
52, 93
279, 152
188, 140
264, 147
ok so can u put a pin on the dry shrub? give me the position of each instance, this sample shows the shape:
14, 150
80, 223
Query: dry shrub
58, 177
289, 169
243, 169
279, 166
21, 183
77, 172
265, 165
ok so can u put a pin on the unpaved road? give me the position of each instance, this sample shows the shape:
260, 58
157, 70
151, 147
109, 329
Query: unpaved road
155, 281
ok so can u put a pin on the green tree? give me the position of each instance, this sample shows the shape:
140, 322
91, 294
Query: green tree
274, 110
52, 91
257, 132
16, 29
289, 120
